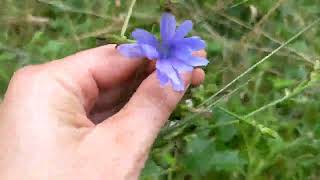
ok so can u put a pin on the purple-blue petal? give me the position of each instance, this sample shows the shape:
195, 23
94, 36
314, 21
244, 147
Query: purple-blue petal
144, 37
165, 67
196, 61
167, 27
195, 43
163, 78
181, 66
130, 50
149, 51
178, 86
173, 53
183, 30
181, 51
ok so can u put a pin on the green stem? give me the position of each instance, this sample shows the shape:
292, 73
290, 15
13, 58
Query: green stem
126, 22
304, 85
227, 95
219, 125
236, 116
238, 4
262, 60
189, 119
267, 106
260, 127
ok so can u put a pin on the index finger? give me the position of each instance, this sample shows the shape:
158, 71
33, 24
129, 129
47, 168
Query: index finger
105, 64
89, 71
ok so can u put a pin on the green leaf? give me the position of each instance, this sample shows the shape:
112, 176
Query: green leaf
151, 171
227, 161
199, 154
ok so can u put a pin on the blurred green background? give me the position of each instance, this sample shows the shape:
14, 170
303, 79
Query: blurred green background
264, 125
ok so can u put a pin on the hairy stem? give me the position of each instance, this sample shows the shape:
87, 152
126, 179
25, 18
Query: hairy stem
126, 22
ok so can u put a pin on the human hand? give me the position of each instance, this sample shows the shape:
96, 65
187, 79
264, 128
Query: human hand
91, 116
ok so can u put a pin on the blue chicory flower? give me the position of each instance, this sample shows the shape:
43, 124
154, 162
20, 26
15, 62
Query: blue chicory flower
173, 53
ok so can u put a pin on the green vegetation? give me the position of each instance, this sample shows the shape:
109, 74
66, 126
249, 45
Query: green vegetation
265, 124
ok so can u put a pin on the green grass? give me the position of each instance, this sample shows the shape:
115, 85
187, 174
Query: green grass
257, 116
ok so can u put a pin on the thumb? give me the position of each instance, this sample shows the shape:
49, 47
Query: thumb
146, 112
124, 140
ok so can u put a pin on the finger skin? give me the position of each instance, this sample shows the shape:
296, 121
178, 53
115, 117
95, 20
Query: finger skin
82, 76
151, 106
147, 111
94, 70
198, 76
113, 96
201, 53
107, 66
136, 126
42, 101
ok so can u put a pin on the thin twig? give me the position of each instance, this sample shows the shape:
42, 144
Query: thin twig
64, 7
238, 4
189, 118
262, 60
266, 35
228, 95
304, 85
126, 22
228, 123
264, 18
260, 127
304, 57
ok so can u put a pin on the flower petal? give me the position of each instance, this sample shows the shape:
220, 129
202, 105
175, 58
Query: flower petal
149, 51
195, 43
165, 67
196, 61
178, 86
183, 30
167, 27
180, 66
144, 37
163, 78
130, 50
181, 51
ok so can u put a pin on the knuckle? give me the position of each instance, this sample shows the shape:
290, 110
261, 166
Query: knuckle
25, 73
163, 101
168, 103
